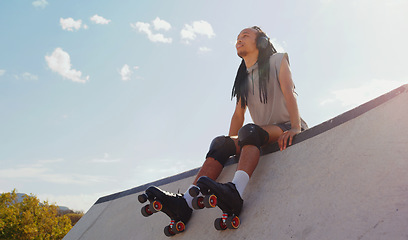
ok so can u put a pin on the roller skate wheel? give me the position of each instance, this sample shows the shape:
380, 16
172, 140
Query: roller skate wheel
168, 232
194, 191
155, 206
142, 198
219, 224
146, 211
198, 203
178, 227
233, 222
210, 201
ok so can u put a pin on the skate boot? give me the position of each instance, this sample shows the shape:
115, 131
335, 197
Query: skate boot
223, 195
173, 205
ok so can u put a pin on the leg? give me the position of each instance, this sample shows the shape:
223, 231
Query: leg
273, 131
249, 159
250, 138
211, 168
221, 148
250, 153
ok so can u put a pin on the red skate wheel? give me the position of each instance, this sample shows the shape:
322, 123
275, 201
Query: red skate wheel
233, 222
198, 203
219, 224
146, 211
210, 201
168, 232
155, 206
178, 227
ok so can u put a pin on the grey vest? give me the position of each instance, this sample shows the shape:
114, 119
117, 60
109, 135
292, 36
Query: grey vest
275, 110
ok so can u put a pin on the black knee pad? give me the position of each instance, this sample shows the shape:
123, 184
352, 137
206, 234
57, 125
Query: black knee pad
221, 149
252, 134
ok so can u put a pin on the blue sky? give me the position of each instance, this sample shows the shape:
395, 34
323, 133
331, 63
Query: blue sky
98, 97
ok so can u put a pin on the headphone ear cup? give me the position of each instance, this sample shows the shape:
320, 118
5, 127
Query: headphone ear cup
262, 42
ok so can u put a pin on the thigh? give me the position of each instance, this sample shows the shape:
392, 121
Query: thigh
274, 132
235, 139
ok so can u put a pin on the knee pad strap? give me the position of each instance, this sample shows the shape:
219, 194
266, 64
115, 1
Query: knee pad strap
252, 134
221, 149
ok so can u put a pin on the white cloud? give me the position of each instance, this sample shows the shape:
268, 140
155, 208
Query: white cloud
70, 24
29, 76
48, 161
189, 32
277, 45
161, 24
40, 3
60, 62
77, 202
50, 173
186, 33
45, 171
204, 50
106, 159
354, 96
26, 76
22, 172
44, 174
125, 72
154, 37
41, 163
2, 72
99, 20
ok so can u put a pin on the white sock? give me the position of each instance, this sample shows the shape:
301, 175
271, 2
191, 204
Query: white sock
240, 180
188, 197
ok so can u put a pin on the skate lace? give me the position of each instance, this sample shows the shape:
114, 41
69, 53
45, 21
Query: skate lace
177, 195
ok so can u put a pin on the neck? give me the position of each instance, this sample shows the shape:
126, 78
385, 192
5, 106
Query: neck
251, 59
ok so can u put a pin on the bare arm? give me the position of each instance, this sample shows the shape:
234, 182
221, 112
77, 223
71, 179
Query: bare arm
288, 87
237, 119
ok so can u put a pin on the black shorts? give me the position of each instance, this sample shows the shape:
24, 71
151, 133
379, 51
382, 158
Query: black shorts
286, 126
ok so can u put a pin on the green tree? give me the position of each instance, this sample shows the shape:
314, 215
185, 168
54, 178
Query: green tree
73, 215
30, 219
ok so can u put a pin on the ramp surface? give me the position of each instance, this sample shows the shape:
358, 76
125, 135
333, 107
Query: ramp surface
346, 178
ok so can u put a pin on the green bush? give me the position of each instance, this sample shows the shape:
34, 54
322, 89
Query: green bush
30, 219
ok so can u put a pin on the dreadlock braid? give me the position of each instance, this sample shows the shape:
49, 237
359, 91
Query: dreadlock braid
240, 88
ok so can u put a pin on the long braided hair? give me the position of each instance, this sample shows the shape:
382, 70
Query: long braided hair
240, 88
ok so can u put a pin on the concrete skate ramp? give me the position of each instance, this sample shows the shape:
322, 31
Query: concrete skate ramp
346, 178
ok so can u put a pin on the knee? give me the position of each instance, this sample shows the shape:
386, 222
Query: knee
252, 134
221, 149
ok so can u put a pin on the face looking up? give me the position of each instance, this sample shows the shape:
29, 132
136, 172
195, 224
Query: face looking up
246, 42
